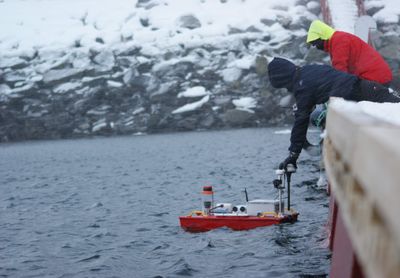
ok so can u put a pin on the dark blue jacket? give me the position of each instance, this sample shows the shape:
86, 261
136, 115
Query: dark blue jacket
311, 85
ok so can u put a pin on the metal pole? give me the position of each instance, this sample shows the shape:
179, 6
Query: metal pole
289, 170
288, 190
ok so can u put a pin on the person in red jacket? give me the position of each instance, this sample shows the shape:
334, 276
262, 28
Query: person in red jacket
349, 53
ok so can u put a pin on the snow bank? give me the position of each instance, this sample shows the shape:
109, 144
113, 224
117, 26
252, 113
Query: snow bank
29, 25
387, 112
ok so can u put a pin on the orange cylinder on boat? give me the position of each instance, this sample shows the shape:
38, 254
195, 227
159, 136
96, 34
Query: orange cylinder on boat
207, 190
208, 199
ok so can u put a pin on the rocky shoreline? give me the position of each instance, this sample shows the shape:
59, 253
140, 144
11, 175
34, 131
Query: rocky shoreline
80, 92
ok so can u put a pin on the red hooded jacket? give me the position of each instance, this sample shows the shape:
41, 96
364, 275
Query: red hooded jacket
351, 54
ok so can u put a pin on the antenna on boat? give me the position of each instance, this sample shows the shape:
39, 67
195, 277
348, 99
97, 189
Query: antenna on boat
245, 194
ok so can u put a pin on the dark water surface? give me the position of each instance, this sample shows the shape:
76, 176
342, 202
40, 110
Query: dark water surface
109, 207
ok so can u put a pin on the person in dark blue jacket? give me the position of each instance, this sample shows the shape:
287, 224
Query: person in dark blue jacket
314, 84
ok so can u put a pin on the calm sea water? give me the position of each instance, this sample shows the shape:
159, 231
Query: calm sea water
109, 207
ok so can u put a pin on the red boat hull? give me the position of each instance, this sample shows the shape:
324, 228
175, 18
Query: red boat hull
210, 222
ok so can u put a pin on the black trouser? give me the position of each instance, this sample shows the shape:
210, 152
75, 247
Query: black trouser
375, 92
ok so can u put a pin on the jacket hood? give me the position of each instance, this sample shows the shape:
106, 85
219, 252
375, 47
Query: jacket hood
319, 30
281, 73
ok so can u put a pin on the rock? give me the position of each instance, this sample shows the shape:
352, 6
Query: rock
13, 63
126, 61
79, 105
81, 61
99, 40
144, 22
4, 89
284, 20
189, 22
188, 123
165, 92
391, 51
314, 7
376, 38
16, 76
129, 75
390, 40
233, 30
147, 4
314, 55
208, 121
105, 59
36, 78
303, 22
95, 81
252, 29
301, 2
24, 89
67, 87
268, 22
99, 111
57, 76
236, 117
296, 48
128, 50
57, 63
372, 7
261, 65
144, 82
97, 70
287, 101
180, 69
223, 100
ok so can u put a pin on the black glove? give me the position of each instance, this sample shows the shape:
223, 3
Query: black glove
291, 159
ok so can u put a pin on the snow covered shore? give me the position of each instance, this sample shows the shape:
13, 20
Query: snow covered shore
80, 68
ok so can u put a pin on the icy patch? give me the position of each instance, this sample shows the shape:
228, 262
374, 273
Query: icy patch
284, 131
114, 84
192, 106
231, 74
99, 125
243, 63
138, 111
245, 103
67, 87
197, 91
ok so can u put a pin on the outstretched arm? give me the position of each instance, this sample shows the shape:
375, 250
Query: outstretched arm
299, 130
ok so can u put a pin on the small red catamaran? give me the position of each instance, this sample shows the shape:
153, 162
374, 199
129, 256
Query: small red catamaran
253, 214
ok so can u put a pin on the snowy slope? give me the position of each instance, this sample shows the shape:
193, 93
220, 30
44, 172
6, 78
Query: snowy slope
27, 25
